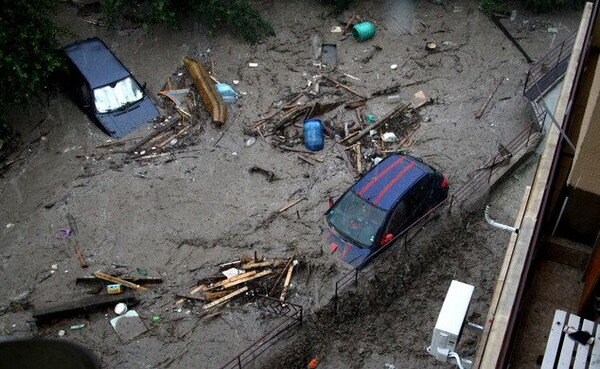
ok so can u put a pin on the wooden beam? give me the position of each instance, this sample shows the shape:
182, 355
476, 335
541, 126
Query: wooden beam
286, 283
399, 109
256, 276
199, 288
290, 204
83, 305
137, 280
231, 280
113, 279
225, 298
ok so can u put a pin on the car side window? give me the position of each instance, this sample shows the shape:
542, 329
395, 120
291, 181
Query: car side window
398, 217
417, 194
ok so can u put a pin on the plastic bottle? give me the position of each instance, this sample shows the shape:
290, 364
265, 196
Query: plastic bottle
313, 135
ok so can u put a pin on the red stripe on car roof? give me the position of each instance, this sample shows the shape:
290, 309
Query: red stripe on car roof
391, 183
378, 176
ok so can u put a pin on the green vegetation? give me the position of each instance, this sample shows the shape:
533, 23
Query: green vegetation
237, 15
29, 53
549, 5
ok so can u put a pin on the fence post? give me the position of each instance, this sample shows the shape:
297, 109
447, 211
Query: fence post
451, 202
239, 362
526, 81
529, 134
355, 277
492, 169
335, 300
560, 52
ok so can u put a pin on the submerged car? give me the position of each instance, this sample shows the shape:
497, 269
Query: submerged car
105, 89
380, 205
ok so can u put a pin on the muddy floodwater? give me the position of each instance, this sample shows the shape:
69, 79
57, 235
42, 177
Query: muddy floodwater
178, 216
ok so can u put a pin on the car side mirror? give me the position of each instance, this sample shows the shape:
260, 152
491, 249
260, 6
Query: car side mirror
386, 239
330, 202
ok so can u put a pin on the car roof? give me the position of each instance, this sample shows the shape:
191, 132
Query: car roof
96, 62
389, 180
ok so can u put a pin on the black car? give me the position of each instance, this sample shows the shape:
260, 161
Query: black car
380, 205
105, 89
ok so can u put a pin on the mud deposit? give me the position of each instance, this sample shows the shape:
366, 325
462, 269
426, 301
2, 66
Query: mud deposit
178, 216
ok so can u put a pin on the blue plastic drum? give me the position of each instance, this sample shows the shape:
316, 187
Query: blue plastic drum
313, 134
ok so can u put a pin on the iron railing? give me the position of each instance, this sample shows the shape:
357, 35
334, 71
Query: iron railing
292, 317
549, 69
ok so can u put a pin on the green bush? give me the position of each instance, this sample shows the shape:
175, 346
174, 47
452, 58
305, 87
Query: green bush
238, 15
29, 53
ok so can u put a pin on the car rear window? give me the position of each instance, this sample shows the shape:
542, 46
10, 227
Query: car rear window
117, 96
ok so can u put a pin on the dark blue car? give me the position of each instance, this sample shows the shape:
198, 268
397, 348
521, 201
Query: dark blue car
380, 205
106, 90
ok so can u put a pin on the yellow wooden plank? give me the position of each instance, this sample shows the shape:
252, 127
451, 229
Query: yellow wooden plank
225, 298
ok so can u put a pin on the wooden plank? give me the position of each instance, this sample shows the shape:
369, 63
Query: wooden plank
286, 284
117, 280
290, 204
396, 111
487, 101
343, 86
138, 280
566, 353
233, 279
556, 332
258, 265
199, 288
225, 298
583, 350
82, 262
258, 275
595, 357
83, 305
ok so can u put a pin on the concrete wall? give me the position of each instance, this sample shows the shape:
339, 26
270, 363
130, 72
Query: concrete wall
585, 173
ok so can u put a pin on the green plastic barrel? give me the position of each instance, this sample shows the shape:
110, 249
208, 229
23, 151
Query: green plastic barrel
363, 31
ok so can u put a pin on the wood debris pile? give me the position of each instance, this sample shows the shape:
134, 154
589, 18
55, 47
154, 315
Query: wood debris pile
184, 113
359, 137
244, 277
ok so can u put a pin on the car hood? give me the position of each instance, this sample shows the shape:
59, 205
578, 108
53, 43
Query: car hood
346, 251
120, 123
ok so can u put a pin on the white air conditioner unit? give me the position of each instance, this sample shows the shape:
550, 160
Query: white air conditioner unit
450, 322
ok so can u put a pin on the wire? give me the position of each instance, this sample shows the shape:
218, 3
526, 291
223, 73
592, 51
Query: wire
455, 356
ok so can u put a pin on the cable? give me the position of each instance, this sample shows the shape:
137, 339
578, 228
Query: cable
455, 356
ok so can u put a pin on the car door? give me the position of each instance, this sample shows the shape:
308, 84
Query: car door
410, 207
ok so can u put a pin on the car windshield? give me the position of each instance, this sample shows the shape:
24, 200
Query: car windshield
117, 95
356, 219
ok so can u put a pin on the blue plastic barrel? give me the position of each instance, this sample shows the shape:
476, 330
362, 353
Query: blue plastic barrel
313, 134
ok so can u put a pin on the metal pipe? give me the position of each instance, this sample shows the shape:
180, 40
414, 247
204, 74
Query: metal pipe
496, 224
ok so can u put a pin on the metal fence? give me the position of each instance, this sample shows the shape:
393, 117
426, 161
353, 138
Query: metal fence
292, 317
549, 69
